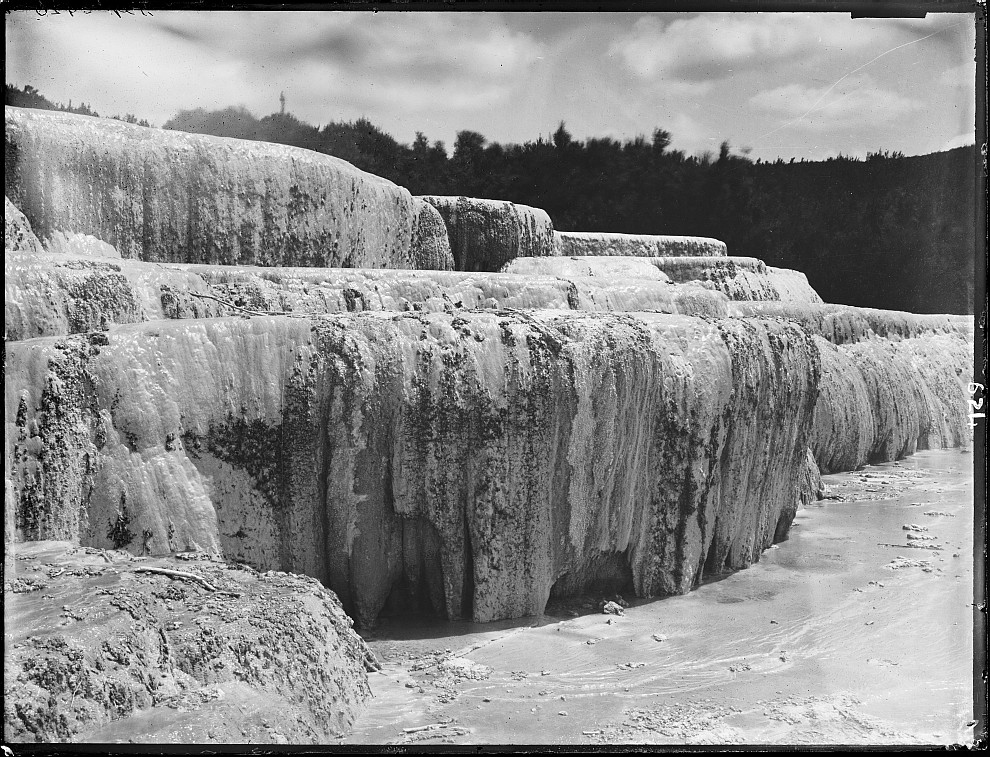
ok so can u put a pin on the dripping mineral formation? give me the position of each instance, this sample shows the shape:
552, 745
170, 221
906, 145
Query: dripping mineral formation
205, 356
169, 196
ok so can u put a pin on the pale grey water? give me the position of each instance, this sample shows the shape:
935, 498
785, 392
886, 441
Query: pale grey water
824, 641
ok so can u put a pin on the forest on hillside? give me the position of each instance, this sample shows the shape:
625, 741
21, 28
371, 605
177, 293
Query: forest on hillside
889, 231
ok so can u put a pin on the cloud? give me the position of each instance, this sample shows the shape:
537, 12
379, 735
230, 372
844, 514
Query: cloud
515, 75
715, 45
405, 71
412, 65
388, 47
860, 103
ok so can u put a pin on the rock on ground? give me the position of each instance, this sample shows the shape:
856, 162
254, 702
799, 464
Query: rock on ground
162, 195
96, 650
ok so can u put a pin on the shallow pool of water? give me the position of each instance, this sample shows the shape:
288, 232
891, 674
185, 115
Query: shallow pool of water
849, 632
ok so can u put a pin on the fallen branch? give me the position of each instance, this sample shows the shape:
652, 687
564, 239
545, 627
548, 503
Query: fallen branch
430, 727
238, 307
179, 574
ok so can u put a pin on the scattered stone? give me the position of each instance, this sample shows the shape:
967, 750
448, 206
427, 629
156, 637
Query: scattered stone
612, 608
463, 668
631, 665
900, 562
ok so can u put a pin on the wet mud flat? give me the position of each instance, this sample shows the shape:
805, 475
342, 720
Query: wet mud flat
856, 630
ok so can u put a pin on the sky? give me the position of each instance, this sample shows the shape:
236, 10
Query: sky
771, 84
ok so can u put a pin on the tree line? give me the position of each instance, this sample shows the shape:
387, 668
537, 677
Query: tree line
29, 97
887, 231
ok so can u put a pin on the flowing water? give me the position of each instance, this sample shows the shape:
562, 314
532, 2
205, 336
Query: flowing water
849, 632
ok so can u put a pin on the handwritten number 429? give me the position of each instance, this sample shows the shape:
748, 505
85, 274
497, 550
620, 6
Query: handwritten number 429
976, 404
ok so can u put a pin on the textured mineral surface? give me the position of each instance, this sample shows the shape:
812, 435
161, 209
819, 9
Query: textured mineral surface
105, 646
204, 356
459, 458
635, 245
76, 284
455, 461
162, 195
487, 234
746, 279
